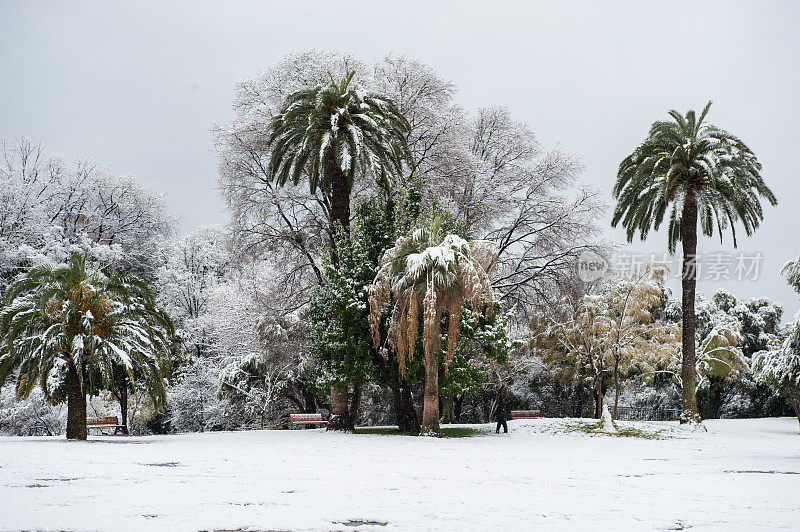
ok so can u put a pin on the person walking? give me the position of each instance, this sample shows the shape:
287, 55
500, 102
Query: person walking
501, 414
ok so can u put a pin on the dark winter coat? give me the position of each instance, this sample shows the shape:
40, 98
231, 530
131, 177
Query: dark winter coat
501, 411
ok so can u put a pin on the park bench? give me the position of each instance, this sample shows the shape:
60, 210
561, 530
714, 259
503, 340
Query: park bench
101, 423
525, 414
307, 419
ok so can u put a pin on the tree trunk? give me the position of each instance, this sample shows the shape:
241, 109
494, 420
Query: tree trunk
448, 410
309, 401
123, 405
340, 416
411, 421
201, 402
459, 406
355, 403
340, 206
494, 405
430, 406
76, 405
616, 386
689, 285
796, 406
405, 412
598, 388
341, 419
598, 402
407, 418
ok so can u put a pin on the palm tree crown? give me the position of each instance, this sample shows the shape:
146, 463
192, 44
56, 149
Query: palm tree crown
337, 128
435, 274
687, 157
65, 316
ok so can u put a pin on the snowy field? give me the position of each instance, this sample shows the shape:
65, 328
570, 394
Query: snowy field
545, 474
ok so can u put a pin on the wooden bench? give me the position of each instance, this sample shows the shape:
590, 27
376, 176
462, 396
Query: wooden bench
101, 423
307, 419
525, 414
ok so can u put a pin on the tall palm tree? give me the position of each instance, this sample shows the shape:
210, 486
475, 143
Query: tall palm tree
332, 133
699, 173
329, 135
434, 276
69, 329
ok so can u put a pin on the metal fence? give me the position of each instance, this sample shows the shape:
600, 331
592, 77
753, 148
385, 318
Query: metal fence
647, 413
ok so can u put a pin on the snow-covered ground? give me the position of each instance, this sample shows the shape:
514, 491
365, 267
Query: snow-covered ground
740, 475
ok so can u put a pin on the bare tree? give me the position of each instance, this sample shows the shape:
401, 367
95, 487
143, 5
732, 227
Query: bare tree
49, 205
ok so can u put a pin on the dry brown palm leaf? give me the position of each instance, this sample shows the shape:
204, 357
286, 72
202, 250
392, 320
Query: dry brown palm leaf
432, 275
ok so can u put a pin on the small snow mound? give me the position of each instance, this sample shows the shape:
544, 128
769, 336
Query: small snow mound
693, 427
607, 423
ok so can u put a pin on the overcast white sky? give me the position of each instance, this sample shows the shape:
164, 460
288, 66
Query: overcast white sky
138, 84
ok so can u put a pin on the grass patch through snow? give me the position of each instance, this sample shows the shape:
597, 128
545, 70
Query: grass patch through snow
594, 427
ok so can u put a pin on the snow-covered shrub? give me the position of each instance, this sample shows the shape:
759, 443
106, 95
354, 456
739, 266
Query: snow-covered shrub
193, 404
653, 395
242, 356
252, 385
539, 389
779, 368
31, 416
729, 334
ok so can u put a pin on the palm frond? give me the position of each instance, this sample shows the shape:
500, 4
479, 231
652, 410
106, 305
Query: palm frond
66, 315
432, 276
337, 126
683, 155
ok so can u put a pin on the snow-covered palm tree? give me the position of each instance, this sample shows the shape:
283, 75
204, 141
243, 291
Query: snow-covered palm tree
329, 135
697, 172
432, 276
69, 329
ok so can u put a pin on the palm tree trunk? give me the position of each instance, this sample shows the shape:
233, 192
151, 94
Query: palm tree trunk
430, 405
340, 215
340, 202
76, 405
689, 285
